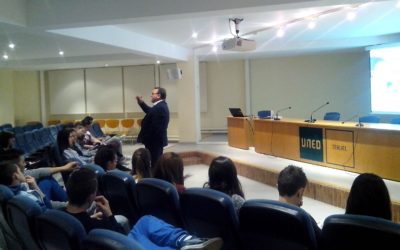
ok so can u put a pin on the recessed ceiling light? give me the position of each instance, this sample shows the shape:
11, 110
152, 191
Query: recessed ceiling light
61, 53
194, 35
158, 62
351, 15
214, 48
5, 56
11, 45
106, 65
311, 25
280, 32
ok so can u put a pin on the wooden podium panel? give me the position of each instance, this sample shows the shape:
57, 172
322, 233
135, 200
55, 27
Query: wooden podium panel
372, 148
339, 147
262, 137
240, 133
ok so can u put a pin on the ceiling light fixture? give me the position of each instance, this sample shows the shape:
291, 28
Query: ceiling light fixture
158, 62
311, 25
280, 32
194, 35
351, 15
11, 45
61, 53
214, 48
5, 56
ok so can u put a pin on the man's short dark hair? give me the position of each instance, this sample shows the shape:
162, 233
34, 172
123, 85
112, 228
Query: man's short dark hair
6, 173
87, 121
5, 137
104, 155
290, 180
80, 185
162, 92
11, 154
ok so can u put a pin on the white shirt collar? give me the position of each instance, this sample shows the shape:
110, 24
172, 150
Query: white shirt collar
154, 104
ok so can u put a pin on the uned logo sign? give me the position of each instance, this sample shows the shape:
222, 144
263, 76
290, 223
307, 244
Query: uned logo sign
311, 144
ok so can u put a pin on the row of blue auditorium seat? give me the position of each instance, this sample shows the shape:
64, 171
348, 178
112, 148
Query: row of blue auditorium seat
261, 224
33, 141
20, 129
25, 226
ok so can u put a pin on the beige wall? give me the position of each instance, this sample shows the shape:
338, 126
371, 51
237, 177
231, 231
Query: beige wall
225, 88
6, 97
26, 96
306, 82
303, 82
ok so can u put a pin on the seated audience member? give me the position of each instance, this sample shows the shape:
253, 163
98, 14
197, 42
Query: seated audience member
66, 140
141, 164
292, 182
222, 176
90, 139
169, 167
82, 149
11, 176
369, 196
149, 231
43, 176
106, 157
7, 140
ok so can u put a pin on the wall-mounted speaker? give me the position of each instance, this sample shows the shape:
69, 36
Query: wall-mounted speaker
174, 74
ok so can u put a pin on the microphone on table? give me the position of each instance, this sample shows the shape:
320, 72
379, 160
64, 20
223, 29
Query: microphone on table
276, 117
350, 119
311, 120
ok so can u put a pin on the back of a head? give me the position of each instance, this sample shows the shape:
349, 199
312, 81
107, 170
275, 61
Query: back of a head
87, 121
222, 176
104, 155
11, 156
169, 168
5, 137
369, 196
141, 162
80, 185
290, 180
7, 171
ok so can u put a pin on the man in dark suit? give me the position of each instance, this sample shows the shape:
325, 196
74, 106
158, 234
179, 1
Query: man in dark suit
153, 133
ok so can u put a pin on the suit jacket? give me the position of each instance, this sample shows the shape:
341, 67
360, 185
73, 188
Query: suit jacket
154, 124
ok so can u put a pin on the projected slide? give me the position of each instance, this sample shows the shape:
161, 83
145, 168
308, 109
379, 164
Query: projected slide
385, 80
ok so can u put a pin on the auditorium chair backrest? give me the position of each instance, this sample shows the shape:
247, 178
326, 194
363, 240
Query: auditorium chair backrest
344, 231
210, 213
159, 198
119, 189
21, 214
268, 224
109, 240
59, 230
9, 236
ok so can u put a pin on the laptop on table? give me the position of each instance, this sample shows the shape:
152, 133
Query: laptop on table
236, 112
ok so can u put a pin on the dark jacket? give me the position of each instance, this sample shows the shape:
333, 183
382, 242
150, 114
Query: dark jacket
154, 124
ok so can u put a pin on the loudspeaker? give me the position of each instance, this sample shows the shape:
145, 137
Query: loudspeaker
174, 74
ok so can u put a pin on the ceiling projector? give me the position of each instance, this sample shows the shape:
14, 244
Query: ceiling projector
238, 44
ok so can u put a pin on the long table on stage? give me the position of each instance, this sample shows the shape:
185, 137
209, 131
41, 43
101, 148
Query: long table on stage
373, 148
